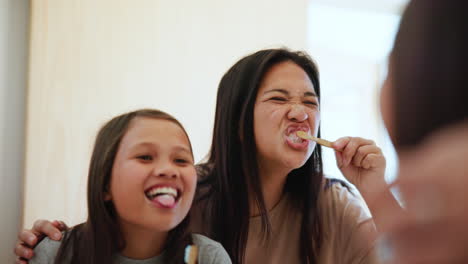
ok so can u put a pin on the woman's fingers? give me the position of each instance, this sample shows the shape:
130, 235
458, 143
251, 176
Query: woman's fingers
47, 228
354, 150
27, 237
23, 251
373, 161
20, 261
362, 153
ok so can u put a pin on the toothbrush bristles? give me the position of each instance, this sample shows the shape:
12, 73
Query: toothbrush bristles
191, 254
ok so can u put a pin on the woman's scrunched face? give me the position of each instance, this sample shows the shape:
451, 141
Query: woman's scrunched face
286, 102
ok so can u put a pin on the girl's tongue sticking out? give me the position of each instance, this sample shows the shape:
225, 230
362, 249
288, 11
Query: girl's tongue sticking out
166, 200
163, 197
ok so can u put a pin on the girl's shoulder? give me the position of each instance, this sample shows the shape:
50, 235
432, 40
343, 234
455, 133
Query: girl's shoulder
45, 251
210, 251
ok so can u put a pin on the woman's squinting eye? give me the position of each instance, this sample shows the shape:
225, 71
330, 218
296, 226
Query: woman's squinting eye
145, 157
278, 99
311, 103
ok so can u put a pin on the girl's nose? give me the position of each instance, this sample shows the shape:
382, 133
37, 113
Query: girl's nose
297, 113
166, 171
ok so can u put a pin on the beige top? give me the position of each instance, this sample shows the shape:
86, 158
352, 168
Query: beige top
348, 231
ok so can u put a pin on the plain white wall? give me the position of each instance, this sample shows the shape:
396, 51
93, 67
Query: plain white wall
91, 60
351, 45
14, 18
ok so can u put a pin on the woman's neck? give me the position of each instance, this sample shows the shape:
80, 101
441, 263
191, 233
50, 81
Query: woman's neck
140, 243
273, 181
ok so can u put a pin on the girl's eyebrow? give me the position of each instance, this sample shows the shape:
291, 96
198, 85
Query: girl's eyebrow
183, 149
142, 144
287, 93
150, 144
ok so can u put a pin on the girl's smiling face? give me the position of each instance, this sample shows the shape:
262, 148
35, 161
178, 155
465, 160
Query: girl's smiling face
286, 102
153, 176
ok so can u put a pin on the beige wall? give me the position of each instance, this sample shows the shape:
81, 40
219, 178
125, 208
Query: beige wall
91, 60
14, 17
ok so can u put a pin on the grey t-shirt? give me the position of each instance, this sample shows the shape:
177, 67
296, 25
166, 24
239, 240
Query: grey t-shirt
209, 252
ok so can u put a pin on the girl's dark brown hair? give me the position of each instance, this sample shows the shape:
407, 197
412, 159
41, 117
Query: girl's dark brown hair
231, 175
97, 240
429, 69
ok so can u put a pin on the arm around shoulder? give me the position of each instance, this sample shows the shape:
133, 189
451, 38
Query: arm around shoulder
214, 254
45, 252
210, 251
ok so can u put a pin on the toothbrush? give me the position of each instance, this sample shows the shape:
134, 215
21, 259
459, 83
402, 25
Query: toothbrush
320, 141
191, 254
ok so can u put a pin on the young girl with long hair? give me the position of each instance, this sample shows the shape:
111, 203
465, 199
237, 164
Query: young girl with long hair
141, 184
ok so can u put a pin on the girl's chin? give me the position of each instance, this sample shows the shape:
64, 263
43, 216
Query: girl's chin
161, 227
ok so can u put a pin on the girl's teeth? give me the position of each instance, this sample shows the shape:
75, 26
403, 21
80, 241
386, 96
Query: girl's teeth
166, 190
151, 194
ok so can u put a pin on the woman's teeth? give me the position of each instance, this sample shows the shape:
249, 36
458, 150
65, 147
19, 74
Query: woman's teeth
294, 138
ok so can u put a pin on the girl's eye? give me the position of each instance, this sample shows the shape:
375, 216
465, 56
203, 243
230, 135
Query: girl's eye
181, 161
145, 157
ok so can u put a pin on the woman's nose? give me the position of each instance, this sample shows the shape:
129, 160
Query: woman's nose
297, 113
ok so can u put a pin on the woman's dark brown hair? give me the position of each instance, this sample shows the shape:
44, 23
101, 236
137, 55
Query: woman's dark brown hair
231, 173
429, 69
97, 240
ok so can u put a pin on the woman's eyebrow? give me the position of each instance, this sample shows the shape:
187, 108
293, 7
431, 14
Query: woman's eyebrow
287, 93
310, 94
277, 90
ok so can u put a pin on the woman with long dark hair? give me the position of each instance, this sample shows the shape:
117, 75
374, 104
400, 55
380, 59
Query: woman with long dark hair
263, 189
262, 193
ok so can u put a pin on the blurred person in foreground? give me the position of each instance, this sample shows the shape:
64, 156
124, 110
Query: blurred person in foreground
424, 105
